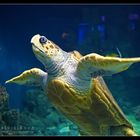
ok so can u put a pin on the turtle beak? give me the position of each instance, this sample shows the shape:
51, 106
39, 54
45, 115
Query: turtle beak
36, 45
35, 38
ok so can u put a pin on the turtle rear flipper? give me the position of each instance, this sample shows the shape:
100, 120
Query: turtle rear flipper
32, 77
122, 130
94, 65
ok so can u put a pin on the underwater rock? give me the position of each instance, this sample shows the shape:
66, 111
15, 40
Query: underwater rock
39, 117
52, 119
64, 130
4, 99
3, 103
68, 129
74, 131
4, 107
11, 117
42, 105
52, 131
31, 122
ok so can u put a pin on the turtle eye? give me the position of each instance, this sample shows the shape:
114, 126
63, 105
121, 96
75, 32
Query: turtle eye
43, 39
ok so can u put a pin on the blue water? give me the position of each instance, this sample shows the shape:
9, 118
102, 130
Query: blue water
86, 28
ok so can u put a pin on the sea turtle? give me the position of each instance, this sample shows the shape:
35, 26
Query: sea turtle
74, 84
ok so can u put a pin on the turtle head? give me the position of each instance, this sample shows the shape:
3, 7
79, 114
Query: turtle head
48, 53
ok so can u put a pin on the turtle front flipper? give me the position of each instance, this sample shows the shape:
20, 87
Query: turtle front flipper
32, 77
93, 65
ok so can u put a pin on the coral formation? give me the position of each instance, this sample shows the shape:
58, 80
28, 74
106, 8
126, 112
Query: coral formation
8, 117
4, 98
39, 117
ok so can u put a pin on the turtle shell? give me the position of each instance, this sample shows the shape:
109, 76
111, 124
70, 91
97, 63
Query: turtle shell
95, 112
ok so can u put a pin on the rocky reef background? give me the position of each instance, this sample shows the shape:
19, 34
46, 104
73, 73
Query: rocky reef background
38, 118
